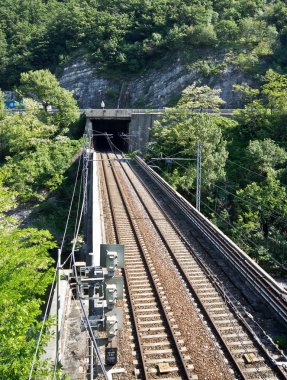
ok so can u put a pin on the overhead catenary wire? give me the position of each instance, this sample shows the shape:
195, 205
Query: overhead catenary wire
258, 206
273, 213
95, 346
231, 225
71, 256
53, 282
71, 204
42, 326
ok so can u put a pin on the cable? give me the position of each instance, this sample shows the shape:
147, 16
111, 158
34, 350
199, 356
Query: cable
231, 225
42, 326
54, 279
78, 207
89, 328
78, 285
249, 170
71, 204
273, 213
111, 143
258, 206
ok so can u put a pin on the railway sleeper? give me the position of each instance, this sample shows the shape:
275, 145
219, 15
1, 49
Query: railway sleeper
149, 316
157, 344
154, 336
153, 322
150, 310
159, 352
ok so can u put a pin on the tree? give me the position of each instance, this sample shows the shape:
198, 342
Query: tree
202, 97
262, 206
177, 134
227, 31
43, 169
3, 50
22, 133
265, 156
43, 86
248, 93
275, 90
25, 273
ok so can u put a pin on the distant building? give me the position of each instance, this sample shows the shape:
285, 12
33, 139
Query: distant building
10, 104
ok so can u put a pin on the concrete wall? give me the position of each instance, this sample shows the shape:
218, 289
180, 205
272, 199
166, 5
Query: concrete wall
140, 126
141, 121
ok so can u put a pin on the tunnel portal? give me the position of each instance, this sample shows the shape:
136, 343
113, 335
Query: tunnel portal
118, 131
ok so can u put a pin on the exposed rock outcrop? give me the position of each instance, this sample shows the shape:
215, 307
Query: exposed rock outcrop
154, 89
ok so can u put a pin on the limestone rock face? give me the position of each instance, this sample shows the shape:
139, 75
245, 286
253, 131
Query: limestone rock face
154, 89
88, 87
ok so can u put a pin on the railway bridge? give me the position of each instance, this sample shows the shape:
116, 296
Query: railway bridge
164, 293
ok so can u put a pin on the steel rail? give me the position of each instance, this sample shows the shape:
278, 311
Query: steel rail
267, 288
213, 280
157, 291
115, 228
187, 281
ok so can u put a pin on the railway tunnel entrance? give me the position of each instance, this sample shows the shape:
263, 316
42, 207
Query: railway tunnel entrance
129, 129
111, 134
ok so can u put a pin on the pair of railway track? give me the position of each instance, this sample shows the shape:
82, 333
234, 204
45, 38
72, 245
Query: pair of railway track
163, 349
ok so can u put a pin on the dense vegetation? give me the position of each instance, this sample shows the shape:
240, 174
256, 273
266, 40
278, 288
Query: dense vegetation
37, 149
243, 164
243, 161
125, 35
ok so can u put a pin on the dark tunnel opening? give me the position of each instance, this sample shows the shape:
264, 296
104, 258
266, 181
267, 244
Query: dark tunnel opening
117, 130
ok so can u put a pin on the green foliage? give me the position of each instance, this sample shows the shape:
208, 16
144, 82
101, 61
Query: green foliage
264, 116
24, 276
35, 158
193, 97
282, 342
36, 152
243, 195
275, 90
177, 134
126, 35
265, 156
262, 206
23, 133
248, 93
45, 88
2, 105
42, 169
227, 30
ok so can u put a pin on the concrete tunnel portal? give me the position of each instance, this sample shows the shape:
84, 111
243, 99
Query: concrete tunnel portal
117, 131
129, 129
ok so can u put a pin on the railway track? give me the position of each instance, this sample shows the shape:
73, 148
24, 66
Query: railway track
248, 357
162, 353
258, 279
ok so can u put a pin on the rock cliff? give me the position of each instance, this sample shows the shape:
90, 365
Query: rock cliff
156, 88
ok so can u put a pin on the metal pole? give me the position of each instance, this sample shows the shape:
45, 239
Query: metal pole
58, 335
198, 178
91, 361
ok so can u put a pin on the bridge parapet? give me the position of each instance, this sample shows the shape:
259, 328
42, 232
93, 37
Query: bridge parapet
118, 113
